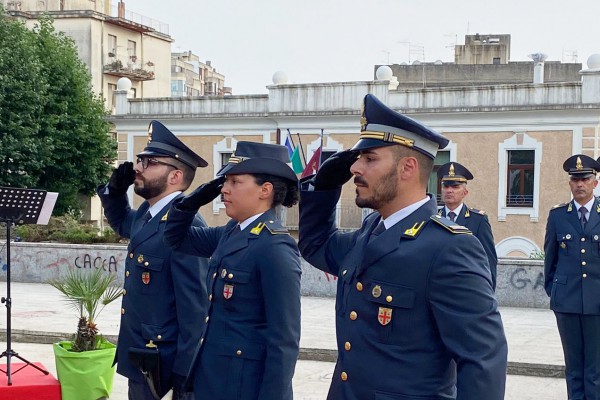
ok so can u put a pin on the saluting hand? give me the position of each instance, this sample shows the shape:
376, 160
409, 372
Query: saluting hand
202, 195
335, 171
121, 178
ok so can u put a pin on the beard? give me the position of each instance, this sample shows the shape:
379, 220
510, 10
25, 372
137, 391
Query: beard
384, 191
151, 188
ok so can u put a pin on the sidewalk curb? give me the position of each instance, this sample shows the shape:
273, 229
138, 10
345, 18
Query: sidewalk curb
309, 354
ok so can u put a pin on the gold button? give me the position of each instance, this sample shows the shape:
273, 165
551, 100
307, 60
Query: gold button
122, 311
130, 255
344, 376
214, 275
583, 263
159, 337
230, 276
359, 286
583, 250
353, 315
344, 272
239, 352
347, 346
126, 273
210, 297
585, 275
583, 239
206, 319
223, 273
388, 299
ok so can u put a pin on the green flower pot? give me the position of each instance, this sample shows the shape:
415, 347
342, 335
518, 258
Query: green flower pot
86, 375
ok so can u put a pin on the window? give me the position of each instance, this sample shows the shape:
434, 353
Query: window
325, 154
434, 186
111, 96
221, 152
496, 61
520, 178
519, 160
131, 51
112, 46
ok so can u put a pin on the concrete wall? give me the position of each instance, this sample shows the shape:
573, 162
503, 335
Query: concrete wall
520, 282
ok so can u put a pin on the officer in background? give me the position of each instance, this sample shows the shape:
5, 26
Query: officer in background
164, 292
454, 177
572, 277
416, 315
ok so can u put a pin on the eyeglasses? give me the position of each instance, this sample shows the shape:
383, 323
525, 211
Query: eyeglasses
152, 162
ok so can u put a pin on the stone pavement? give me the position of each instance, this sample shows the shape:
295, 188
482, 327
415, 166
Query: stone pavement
40, 317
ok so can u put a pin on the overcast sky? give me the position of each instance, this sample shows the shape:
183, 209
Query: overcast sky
341, 40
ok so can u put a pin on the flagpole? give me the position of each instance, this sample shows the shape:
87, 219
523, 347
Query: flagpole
291, 138
321, 147
301, 148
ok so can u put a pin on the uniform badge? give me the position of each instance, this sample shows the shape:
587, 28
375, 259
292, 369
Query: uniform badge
376, 292
146, 277
384, 316
570, 208
227, 291
467, 214
415, 229
563, 245
140, 259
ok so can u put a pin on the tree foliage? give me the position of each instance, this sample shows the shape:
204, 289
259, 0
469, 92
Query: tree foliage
53, 131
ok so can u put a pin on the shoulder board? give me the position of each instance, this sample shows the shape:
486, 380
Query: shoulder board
560, 205
274, 227
449, 225
476, 211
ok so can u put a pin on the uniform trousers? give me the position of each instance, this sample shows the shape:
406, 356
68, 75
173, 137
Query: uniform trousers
580, 337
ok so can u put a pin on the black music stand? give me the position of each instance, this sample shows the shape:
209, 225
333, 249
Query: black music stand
17, 207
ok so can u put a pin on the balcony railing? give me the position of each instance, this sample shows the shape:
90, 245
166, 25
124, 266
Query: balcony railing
130, 67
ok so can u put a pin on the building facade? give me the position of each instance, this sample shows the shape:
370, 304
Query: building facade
192, 77
113, 43
514, 138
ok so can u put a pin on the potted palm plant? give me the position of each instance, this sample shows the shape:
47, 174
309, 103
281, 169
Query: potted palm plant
84, 365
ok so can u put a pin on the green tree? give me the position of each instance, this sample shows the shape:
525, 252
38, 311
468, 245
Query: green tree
53, 132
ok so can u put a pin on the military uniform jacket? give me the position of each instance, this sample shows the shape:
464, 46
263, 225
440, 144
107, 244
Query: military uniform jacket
252, 336
408, 302
163, 291
572, 260
478, 223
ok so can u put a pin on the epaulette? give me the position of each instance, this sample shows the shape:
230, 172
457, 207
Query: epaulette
560, 205
449, 225
476, 211
273, 227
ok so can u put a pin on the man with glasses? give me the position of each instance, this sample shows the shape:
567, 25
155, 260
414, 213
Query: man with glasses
164, 292
572, 278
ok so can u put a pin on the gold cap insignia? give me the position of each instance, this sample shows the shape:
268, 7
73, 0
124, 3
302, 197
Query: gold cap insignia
579, 165
451, 172
363, 119
150, 134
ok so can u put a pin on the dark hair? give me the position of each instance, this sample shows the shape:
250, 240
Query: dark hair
285, 191
188, 172
425, 162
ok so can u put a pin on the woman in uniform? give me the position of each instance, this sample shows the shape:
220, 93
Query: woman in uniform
251, 336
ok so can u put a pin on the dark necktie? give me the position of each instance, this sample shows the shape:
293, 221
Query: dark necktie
378, 230
452, 216
583, 218
147, 216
